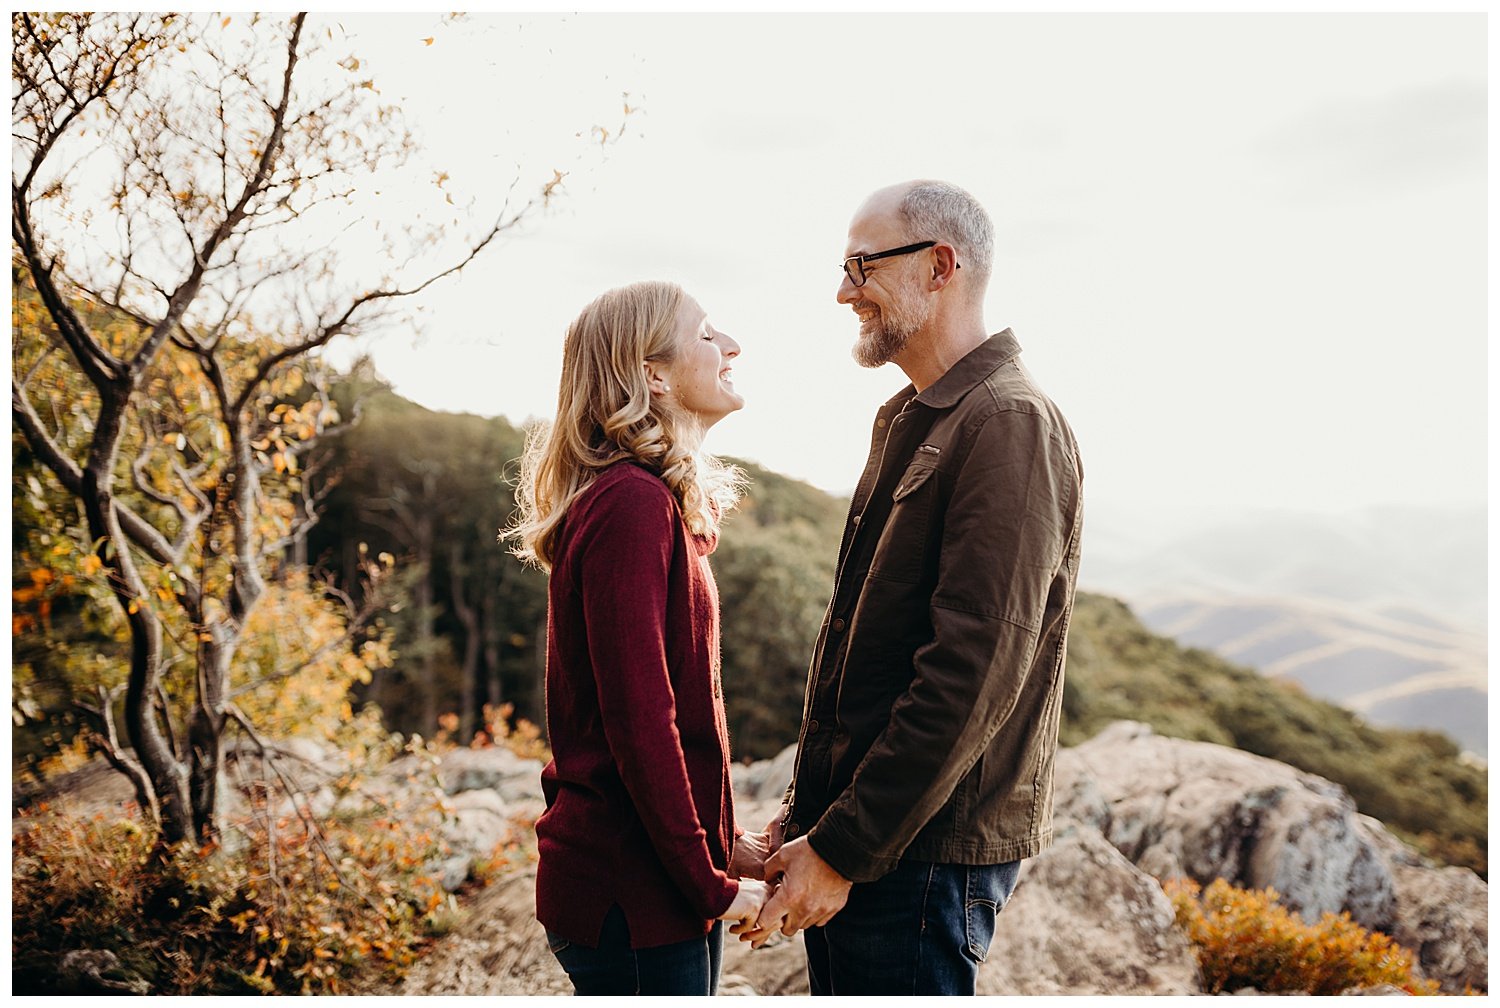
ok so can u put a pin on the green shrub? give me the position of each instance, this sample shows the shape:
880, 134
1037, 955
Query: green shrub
1245, 938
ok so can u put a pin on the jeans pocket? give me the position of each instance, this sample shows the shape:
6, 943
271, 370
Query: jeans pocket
987, 888
979, 928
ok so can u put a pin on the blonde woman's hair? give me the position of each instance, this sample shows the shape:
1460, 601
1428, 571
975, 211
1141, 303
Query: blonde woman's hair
606, 414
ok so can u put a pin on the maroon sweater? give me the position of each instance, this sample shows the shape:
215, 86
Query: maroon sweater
639, 811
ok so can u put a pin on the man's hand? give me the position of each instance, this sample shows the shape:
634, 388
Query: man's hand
773, 829
809, 895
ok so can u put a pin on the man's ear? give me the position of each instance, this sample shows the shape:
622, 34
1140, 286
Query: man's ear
944, 265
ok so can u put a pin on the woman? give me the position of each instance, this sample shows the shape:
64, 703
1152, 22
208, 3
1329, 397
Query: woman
619, 505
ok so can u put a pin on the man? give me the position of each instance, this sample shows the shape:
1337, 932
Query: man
924, 767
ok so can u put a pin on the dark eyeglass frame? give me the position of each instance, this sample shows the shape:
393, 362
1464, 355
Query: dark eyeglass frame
857, 275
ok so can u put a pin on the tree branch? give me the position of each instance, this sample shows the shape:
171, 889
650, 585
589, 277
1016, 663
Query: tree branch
100, 367
343, 323
109, 744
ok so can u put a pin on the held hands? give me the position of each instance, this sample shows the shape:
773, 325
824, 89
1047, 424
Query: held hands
752, 849
747, 903
749, 858
809, 894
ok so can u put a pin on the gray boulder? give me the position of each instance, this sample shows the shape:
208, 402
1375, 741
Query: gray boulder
765, 780
1442, 915
474, 823
97, 971
1083, 919
1193, 809
495, 768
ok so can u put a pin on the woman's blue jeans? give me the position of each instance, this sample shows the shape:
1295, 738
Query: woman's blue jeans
922, 929
688, 967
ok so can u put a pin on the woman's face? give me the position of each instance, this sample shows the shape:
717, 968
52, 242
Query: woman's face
699, 377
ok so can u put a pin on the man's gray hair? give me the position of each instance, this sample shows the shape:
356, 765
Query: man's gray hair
940, 211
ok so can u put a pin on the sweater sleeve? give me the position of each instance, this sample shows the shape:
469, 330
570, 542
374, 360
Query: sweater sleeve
626, 547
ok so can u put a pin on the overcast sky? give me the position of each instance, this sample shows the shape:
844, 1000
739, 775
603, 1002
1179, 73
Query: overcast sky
1244, 253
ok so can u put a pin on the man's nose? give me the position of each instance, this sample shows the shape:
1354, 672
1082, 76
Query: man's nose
848, 293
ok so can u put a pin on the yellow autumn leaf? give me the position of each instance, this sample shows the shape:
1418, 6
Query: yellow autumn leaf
91, 564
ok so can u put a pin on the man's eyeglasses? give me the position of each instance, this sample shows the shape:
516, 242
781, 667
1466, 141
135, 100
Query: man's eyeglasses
855, 265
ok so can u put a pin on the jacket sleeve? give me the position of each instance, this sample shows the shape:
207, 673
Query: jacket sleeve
1013, 502
626, 548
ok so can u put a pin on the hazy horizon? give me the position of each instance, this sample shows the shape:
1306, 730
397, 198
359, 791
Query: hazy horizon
1246, 254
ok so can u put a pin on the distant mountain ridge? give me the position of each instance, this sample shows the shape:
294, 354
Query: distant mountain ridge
1416, 781
1394, 670
1382, 611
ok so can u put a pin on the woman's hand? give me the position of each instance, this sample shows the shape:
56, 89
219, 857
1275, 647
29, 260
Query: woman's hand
752, 849
749, 858
747, 903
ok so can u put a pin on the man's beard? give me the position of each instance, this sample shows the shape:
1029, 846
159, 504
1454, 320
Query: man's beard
893, 328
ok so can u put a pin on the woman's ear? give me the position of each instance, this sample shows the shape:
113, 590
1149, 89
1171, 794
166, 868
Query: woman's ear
656, 378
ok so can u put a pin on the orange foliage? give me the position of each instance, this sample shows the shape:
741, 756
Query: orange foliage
1245, 938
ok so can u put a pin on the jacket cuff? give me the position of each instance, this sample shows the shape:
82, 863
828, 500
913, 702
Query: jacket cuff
847, 857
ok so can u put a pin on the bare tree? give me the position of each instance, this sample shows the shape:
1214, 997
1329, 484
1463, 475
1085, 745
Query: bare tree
176, 173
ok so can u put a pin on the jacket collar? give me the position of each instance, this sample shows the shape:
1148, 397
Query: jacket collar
975, 366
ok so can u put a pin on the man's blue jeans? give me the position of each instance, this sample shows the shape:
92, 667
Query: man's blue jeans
689, 967
922, 929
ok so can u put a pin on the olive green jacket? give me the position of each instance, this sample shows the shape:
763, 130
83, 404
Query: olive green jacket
929, 729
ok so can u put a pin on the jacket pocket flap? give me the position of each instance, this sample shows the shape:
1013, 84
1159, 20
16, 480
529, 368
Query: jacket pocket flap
916, 474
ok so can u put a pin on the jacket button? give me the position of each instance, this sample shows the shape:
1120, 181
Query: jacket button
857, 520
838, 626
812, 727
792, 829
881, 423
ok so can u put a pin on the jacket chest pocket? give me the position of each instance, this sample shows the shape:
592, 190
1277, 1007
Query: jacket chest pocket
918, 473
908, 546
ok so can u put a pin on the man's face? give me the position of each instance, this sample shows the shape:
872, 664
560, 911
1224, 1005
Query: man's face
892, 306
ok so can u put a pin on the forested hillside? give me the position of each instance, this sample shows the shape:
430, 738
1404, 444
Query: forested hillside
466, 622
1414, 781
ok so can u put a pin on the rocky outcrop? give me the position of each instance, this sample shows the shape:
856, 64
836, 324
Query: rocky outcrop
1442, 915
1084, 919
499, 949
97, 971
765, 780
1192, 809
1202, 811
1170, 808
778, 967
1087, 916
491, 769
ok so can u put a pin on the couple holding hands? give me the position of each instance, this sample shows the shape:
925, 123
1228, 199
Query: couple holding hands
924, 763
